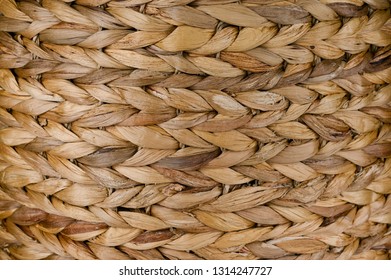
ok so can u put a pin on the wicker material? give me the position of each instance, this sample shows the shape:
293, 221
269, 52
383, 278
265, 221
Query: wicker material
156, 129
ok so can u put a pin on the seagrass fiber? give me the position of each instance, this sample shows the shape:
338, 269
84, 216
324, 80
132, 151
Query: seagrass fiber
195, 129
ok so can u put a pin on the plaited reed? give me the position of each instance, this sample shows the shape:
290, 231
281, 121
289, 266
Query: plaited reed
182, 129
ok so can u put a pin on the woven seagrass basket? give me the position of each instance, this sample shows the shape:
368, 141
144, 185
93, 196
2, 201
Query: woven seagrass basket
195, 129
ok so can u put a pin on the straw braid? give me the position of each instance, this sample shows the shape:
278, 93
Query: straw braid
195, 129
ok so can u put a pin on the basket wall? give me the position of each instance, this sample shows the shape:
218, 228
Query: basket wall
151, 129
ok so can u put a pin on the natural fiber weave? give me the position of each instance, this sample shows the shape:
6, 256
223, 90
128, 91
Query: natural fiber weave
206, 129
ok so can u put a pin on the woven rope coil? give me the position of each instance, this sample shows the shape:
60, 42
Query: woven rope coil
195, 129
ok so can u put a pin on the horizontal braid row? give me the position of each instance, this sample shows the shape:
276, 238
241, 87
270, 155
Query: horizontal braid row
215, 235
195, 129
163, 33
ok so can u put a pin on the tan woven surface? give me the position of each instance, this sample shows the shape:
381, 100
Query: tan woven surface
182, 129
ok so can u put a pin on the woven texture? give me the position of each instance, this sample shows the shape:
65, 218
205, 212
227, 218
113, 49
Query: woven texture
182, 129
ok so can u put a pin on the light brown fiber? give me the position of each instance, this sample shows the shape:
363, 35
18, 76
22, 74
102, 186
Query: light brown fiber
195, 129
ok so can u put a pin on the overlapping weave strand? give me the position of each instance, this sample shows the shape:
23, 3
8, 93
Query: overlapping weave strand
182, 129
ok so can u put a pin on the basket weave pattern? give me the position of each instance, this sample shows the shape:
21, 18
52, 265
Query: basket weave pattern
182, 129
